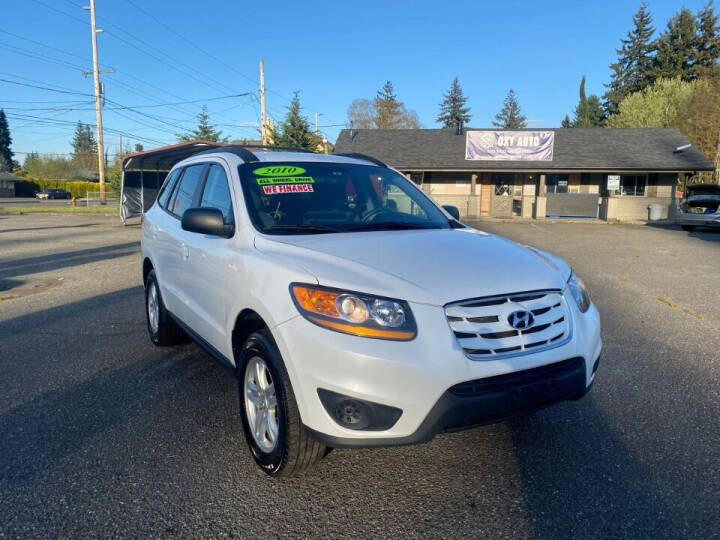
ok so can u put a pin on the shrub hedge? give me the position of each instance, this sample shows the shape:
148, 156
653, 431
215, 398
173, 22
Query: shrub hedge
30, 186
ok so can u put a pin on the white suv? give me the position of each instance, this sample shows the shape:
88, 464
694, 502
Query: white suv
353, 309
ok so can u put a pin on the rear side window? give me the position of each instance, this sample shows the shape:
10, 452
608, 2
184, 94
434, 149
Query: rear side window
217, 193
167, 188
184, 196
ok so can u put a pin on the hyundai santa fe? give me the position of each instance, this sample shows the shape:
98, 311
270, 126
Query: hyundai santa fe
353, 309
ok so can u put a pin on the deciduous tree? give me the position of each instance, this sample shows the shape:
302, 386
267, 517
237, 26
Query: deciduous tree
657, 106
384, 111
700, 118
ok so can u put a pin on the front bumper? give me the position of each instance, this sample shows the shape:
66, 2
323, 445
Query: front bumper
486, 401
425, 377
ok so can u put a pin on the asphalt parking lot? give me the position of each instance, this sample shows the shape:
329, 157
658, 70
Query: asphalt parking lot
102, 434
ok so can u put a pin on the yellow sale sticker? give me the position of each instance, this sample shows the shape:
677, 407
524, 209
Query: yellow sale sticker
279, 170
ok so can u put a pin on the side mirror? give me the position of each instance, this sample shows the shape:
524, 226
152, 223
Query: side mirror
206, 221
452, 210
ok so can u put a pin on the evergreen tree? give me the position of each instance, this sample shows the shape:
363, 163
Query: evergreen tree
566, 123
677, 48
582, 112
204, 131
388, 110
510, 116
708, 40
295, 129
84, 147
453, 111
589, 111
633, 70
596, 113
6, 154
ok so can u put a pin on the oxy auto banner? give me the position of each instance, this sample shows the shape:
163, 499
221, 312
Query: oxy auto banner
509, 145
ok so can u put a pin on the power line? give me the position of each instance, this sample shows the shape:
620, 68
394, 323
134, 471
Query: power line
46, 88
57, 122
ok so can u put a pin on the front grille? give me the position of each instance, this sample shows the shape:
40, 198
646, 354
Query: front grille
482, 329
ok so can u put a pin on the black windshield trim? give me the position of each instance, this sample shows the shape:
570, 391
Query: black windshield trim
245, 169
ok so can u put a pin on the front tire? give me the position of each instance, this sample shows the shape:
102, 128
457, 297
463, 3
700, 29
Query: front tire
163, 330
275, 434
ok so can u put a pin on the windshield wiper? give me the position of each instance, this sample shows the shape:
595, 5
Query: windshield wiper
303, 228
392, 225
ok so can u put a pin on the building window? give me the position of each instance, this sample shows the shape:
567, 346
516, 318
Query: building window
502, 185
416, 177
557, 183
633, 185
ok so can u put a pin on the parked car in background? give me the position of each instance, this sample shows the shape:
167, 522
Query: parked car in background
699, 207
52, 193
354, 310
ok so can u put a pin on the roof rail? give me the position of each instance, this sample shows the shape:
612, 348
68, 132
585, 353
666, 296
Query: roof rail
268, 147
246, 155
243, 152
365, 157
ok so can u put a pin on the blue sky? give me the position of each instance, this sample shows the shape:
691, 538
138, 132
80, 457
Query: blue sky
332, 52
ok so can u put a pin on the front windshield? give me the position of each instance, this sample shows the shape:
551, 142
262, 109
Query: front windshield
313, 198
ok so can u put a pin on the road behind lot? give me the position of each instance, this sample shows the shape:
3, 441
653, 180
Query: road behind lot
102, 434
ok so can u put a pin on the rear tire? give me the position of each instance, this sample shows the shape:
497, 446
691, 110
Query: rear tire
280, 444
688, 228
163, 330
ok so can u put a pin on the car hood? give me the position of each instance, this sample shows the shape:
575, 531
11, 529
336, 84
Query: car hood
424, 266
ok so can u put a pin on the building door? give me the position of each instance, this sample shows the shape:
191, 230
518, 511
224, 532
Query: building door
486, 191
502, 199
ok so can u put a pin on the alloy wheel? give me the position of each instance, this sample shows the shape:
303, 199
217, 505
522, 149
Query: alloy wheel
261, 404
153, 307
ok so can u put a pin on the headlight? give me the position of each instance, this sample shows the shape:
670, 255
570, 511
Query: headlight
579, 292
354, 313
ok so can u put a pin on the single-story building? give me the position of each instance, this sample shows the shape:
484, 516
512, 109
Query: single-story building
536, 173
7, 184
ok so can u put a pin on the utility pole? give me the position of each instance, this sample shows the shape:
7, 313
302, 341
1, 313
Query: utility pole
98, 102
263, 117
317, 129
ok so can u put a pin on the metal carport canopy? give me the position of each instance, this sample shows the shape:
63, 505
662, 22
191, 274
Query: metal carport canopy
143, 173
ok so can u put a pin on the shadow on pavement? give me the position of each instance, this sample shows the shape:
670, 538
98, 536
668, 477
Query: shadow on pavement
46, 263
709, 234
26, 229
64, 415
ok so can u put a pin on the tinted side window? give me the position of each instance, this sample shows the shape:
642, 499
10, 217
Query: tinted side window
184, 196
217, 193
168, 188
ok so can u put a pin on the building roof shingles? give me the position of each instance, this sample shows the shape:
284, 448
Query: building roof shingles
603, 149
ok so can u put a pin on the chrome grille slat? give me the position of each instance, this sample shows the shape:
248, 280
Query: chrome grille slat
482, 329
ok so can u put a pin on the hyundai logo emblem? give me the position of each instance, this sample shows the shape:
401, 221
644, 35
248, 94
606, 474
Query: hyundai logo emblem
520, 320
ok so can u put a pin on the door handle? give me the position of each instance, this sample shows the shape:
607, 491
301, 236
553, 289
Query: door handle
184, 251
